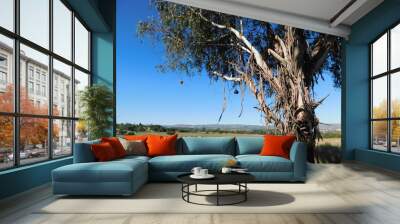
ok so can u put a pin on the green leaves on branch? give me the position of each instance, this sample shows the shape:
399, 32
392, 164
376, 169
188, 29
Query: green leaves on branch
97, 103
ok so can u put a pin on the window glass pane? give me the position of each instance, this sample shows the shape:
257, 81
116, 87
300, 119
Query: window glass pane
379, 135
34, 97
395, 47
33, 139
35, 21
7, 14
62, 89
6, 74
81, 82
379, 56
62, 138
395, 94
62, 29
6, 142
81, 45
395, 138
379, 97
81, 131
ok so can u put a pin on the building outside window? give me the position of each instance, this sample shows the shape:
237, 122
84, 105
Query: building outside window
3, 78
34, 75
30, 87
30, 72
37, 75
43, 90
3, 81
3, 61
3, 72
44, 77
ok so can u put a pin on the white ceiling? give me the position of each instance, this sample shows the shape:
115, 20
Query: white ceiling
317, 15
321, 9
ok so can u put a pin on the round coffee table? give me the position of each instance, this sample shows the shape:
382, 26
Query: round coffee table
238, 179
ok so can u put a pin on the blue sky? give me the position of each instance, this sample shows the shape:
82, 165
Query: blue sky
147, 96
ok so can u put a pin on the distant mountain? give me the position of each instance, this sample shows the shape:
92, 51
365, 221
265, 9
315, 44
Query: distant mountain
241, 127
329, 127
227, 127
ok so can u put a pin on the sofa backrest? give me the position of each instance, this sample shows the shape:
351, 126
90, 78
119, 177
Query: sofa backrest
206, 145
249, 145
190, 146
83, 152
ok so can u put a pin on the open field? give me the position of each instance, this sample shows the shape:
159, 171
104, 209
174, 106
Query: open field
199, 134
330, 141
329, 151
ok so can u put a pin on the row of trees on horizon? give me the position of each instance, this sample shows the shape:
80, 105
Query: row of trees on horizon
132, 129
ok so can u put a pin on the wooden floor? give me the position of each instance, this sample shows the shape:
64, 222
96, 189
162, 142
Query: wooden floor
378, 189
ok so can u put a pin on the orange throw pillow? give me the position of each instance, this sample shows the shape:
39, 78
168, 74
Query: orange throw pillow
116, 145
136, 137
161, 145
277, 145
103, 152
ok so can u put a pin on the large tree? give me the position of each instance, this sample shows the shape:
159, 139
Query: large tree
279, 64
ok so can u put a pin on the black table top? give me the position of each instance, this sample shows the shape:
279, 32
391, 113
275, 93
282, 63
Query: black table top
220, 178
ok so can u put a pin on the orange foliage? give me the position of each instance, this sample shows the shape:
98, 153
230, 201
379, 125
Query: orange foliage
380, 127
33, 130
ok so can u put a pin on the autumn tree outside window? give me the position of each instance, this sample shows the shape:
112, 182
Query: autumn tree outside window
385, 92
39, 59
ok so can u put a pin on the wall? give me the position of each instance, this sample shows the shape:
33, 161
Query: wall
355, 114
103, 53
24, 178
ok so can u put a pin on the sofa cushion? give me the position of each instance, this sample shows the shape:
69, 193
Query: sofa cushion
275, 145
116, 145
249, 145
103, 152
134, 147
160, 145
185, 163
136, 137
207, 145
112, 171
257, 163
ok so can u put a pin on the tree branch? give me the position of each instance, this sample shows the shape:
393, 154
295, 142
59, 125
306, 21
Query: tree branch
257, 55
282, 44
319, 53
277, 56
226, 77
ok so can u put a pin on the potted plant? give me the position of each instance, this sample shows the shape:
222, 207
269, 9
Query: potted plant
97, 103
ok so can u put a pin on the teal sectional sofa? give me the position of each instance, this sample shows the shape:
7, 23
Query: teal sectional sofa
125, 176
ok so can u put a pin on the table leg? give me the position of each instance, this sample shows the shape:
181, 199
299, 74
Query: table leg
245, 193
195, 188
217, 194
182, 190
188, 190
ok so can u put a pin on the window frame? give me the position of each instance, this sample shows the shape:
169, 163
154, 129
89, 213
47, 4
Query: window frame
388, 74
16, 114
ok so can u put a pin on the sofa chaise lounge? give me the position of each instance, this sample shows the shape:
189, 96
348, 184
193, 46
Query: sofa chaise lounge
125, 176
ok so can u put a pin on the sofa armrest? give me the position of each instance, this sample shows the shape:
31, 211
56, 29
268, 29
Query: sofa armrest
83, 152
298, 155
